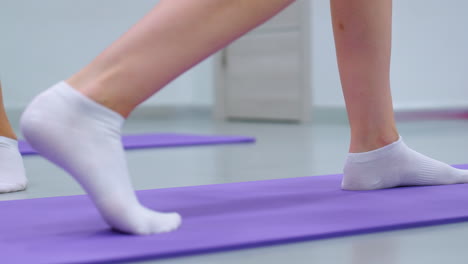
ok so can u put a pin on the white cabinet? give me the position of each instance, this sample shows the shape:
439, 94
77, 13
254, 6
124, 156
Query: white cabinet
266, 73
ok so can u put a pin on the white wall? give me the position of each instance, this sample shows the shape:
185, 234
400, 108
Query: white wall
429, 57
45, 41
42, 42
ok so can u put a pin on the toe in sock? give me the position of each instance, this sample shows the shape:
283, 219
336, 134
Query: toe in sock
84, 138
397, 165
12, 174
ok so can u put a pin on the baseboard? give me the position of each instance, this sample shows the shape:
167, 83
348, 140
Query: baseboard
338, 114
432, 114
168, 112
319, 114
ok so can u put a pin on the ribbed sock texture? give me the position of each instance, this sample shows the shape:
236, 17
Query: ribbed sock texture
12, 173
397, 165
84, 138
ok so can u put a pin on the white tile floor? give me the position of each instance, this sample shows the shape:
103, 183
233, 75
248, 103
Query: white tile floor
281, 151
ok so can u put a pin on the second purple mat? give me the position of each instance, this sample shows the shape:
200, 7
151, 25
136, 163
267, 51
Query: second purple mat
156, 140
222, 217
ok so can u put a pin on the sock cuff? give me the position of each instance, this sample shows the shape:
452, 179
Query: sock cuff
88, 105
377, 153
6, 142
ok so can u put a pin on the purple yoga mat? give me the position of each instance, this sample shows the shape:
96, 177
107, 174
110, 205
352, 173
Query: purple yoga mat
222, 217
139, 141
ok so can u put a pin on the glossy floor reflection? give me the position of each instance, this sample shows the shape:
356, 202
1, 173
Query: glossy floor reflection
281, 151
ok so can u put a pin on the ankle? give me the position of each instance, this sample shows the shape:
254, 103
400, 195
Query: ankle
96, 91
8, 132
10, 135
369, 142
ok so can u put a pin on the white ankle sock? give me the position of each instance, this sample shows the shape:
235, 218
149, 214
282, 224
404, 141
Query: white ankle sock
397, 165
12, 175
83, 137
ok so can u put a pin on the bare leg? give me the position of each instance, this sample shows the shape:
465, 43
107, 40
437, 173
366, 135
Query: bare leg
363, 41
79, 130
175, 36
378, 156
5, 128
12, 174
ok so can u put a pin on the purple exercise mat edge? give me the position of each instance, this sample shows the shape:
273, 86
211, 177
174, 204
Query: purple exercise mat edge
162, 140
283, 240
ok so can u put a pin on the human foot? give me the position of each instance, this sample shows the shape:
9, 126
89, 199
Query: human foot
397, 165
83, 137
12, 174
